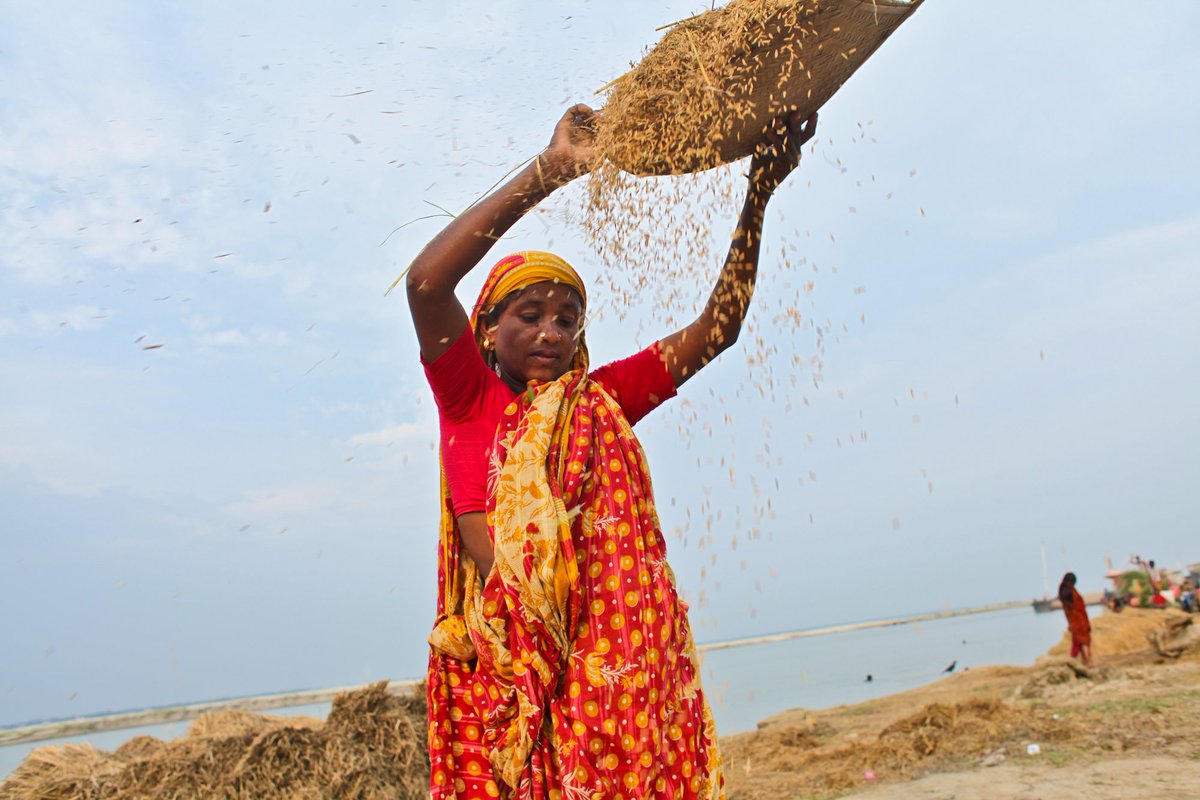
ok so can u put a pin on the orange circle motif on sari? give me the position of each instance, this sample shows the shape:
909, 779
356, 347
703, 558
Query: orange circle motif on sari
561, 709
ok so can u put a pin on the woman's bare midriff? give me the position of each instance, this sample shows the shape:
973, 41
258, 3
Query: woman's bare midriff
472, 527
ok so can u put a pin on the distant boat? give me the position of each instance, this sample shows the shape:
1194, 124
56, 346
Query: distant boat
1046, 605
1049, 603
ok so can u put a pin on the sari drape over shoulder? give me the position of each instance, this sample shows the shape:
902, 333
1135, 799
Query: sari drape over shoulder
571, 672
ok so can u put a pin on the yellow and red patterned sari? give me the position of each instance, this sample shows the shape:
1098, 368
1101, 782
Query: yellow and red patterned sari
571, 672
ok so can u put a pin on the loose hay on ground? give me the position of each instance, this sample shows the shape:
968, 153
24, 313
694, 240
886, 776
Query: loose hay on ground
371, 747
937, 733
69, 772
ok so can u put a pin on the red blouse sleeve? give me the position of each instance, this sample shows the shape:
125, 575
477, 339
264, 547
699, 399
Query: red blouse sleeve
639, 383
458, 378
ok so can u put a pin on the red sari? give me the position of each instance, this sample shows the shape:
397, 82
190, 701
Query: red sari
570, 673
1077, 622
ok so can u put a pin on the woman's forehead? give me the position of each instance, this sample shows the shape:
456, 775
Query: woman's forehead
549, 292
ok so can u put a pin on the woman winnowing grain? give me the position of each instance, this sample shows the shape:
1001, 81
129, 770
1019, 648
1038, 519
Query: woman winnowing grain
562, 664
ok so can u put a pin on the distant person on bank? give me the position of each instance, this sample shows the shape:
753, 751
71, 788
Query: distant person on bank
1077, 619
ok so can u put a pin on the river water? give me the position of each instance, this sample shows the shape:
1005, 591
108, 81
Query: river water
748, 684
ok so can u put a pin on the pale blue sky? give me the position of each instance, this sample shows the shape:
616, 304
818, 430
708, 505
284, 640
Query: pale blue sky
1011, 190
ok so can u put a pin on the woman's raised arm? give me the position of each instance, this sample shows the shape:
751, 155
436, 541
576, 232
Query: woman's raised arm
689, 349
441, 264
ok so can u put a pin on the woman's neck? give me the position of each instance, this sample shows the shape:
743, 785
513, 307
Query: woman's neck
510, 381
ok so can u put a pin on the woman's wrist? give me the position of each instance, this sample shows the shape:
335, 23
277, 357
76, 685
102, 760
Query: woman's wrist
549, 172
757, 198
556, 170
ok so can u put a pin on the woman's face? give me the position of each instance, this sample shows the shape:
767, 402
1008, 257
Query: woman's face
537, 333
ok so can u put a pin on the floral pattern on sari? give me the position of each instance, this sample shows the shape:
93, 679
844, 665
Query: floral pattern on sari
571, 672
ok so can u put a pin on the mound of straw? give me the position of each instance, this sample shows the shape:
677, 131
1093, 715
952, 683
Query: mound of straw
1052, 675
705, 93
372, 746
939, 732
1120, 633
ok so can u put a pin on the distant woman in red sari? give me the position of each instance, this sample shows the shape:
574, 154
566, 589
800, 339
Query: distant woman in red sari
1077, 619
562, 665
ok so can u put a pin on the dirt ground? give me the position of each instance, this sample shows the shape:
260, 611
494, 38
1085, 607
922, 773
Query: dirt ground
1110, 779
1130, 724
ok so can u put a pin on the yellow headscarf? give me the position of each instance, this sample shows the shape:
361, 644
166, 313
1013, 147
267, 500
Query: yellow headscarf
518, 271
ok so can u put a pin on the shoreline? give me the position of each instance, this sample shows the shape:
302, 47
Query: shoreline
164, 715
50, 730
850, 627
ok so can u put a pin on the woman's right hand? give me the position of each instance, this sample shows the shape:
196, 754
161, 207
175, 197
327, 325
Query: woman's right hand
571, 148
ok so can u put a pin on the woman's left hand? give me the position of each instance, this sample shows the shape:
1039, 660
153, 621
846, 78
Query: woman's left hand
779, 152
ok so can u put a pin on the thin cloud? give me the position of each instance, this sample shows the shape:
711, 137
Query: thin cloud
405, 433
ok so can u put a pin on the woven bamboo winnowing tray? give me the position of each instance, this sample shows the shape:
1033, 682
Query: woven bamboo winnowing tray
703, 96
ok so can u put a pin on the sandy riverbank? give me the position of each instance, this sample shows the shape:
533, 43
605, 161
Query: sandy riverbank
1127, 725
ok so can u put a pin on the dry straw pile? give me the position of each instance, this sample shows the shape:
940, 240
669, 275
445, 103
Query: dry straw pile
371, 747
1129, 631
936, 734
